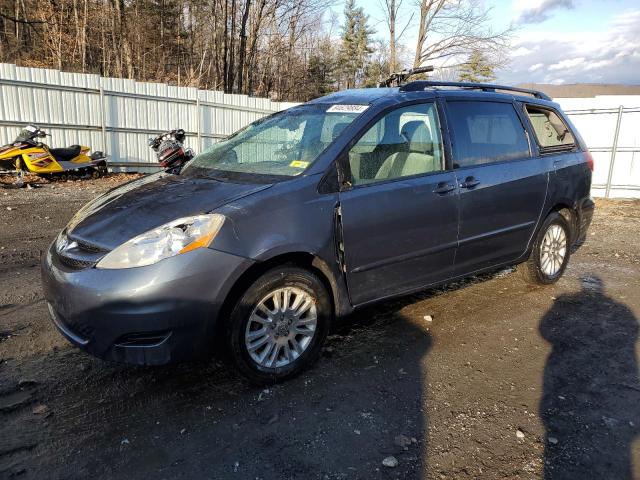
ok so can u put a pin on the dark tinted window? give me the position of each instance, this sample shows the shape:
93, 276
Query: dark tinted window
549, 128
486, 132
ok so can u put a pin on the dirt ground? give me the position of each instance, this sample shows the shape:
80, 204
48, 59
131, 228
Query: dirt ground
489, 378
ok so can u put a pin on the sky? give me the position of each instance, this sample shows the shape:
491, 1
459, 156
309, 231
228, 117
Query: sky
555, 41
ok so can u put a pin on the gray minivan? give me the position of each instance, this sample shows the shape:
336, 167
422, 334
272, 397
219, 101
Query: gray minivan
303, 216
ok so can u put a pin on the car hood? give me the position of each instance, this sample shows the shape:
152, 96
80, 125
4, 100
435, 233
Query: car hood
139, 206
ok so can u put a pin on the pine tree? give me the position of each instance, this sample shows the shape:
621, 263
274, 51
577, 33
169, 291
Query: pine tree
321, 71
355, 44
478, 68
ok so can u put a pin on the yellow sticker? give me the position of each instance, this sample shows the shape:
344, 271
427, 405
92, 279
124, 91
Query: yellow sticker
299, 164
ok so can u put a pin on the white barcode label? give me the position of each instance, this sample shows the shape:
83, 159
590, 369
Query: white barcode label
347, 108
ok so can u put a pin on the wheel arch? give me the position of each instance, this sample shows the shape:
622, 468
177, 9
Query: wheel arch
565, 209
570, 213
301, 259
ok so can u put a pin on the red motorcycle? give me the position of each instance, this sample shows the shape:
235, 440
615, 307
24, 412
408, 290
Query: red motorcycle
170, 150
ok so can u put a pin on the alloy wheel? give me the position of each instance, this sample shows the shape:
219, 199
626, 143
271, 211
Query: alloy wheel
281, 327
553, 250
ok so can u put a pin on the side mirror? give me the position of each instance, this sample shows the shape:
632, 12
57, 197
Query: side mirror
331, 181
343, 172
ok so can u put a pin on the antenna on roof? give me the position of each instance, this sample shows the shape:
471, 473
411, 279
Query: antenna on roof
398, 78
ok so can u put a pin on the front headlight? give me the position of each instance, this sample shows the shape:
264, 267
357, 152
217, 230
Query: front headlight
174, 238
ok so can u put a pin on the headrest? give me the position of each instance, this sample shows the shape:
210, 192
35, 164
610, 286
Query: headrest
416, 131
337, 129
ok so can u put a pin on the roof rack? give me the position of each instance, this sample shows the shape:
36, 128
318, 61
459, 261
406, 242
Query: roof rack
419, 85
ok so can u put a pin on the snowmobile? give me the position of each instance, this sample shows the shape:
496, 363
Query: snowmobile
28, 154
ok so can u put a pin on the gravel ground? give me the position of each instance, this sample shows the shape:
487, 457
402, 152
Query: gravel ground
488, 378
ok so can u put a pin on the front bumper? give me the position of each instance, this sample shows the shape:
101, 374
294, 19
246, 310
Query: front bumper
152, 315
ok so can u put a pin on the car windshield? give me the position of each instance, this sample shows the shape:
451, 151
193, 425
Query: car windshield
281, 145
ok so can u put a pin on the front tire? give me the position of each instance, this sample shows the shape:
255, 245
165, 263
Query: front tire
551, 251
278, 326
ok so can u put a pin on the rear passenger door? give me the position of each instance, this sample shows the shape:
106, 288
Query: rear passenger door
502, 186
400, 214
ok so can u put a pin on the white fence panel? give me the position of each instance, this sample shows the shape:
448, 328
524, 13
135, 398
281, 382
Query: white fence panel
118, 115
605, 122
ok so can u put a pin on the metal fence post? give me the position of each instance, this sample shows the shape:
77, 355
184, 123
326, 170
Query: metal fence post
614, 148
103, 122
198, 126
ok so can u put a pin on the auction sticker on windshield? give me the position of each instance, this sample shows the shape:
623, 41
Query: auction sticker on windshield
299, 164
347, 108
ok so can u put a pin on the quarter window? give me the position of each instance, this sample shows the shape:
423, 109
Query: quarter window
486, 132
404, 142
550, 130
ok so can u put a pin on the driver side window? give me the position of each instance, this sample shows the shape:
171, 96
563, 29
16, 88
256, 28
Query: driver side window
404, 142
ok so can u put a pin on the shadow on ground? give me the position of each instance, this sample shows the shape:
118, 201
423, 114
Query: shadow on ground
591, 401
340, 420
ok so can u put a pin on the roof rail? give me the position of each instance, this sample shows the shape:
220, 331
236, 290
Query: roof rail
419, 85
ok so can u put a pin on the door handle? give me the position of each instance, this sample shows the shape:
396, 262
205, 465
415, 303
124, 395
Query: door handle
443, 187
469, 182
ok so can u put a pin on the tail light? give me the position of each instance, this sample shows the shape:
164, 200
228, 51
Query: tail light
589, 159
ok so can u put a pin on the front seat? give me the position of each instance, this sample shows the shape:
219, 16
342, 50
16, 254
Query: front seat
415, 160
65, 154
418, 136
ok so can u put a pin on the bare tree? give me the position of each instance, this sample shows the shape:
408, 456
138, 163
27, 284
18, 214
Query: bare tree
451, 29
285, 49
391, 9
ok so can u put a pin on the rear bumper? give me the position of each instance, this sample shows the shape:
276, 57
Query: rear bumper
153, 315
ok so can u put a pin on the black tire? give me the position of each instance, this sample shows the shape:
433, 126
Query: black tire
532, 270
279, 277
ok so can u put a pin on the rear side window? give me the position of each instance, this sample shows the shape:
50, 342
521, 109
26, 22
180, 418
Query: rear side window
550, 130
486, 132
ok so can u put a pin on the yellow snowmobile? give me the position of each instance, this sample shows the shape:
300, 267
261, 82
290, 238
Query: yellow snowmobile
28, 154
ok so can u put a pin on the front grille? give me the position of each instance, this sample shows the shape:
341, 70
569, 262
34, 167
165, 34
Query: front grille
88, 247
75, 263
78, 254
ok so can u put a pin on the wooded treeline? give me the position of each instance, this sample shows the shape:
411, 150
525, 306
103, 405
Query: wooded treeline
283, 49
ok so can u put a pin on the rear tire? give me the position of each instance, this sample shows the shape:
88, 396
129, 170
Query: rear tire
551, 251
278, 326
